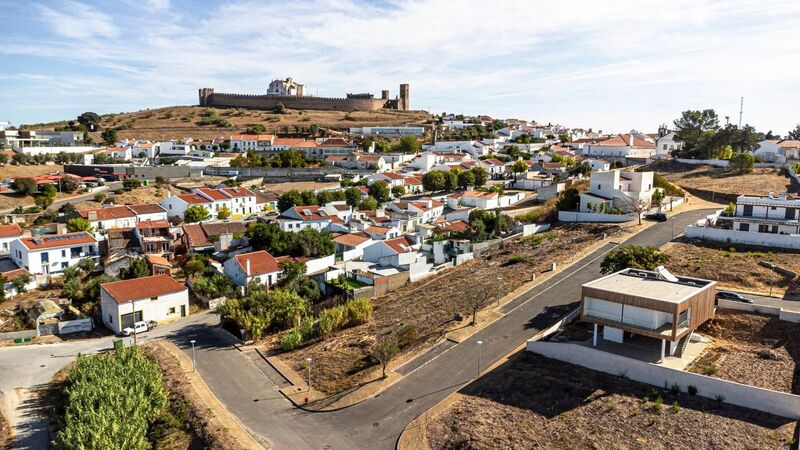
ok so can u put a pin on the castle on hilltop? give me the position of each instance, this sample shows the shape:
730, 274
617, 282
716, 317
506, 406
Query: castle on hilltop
292, 95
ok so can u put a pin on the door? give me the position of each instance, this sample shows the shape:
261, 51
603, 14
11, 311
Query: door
747, 211
183, 310
790, 213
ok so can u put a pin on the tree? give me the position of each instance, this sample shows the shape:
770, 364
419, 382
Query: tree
480, 175
89, 120
109, 136
519, 167
384, 350
87, 265
633, 257
2, 287
79, 224
312, 243
24, 186
224, 213
569, 199
408, 144
743, 162
658, 198
369, 203
131, 184
137, 269
482, 294
381, 146
289, 199
48, 190
69, 184
353, 196
580, 169
280, 108
43, 201
379, 190
466, 178
564, 137
433, 181
20, 283
695, 129
450, 180
3, 159
794, 134
398, 191
196, 213
289, 158
639, 206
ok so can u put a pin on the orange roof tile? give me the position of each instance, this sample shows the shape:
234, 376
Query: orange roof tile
58, 240
261, 262
11, 230
142, 288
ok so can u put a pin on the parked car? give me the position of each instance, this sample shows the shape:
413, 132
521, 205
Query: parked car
138, 327
727, 295
658, 217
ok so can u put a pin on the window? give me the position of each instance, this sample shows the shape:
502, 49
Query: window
599, 186
763, 228
747, 211
153, 299
63, 253
172, 310
744, 227
110, 318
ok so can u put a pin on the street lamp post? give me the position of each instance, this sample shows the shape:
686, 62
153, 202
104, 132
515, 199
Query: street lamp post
771, 279
308, 363
480, 344
194, 361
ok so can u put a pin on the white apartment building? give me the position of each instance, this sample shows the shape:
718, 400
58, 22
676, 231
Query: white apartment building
54, 253
255, 142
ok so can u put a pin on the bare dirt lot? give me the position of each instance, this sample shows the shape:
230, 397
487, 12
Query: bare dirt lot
737, 270
281, 188
535, 402
143, 195
180, 121
752, 349
726, 184
341, 361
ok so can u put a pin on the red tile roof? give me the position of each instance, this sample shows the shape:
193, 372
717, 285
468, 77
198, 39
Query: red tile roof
194, 199
195, 235
399, 245
11, 230
58, 240
142, 288
157, 260
110, 213
261, 262
351, 239
238, 192
213, 194
14, 273
622, 141
153, 224
150, 208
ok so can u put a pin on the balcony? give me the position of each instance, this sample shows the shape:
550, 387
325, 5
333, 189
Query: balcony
663, 332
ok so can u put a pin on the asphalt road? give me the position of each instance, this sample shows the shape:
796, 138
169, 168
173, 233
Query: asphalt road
248, 389
110, 187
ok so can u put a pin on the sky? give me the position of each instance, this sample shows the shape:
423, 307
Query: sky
609, 65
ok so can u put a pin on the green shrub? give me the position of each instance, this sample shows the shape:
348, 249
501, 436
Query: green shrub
331, 319
658, 405
719, 397
675, 389
691, 389
515, 259
406, 335
359, 311
292, 340
676, 407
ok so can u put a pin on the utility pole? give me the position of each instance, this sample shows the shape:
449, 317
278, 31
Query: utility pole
741, 109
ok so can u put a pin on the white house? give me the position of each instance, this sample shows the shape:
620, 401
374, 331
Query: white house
350, 246
400, 253
667, 144
256, 142
630, 145
239, 201
54, 253
8, 234
617, 189
10, 275
495, 168
597, 164
778, 150
159, 298
126, 216
300, 217
771, 214
257, 266
482, 200
391, 178
426, 160
123, 153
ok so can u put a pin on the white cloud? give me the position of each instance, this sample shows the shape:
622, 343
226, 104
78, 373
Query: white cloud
78, 21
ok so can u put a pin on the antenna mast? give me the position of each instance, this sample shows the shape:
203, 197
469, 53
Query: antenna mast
741, 108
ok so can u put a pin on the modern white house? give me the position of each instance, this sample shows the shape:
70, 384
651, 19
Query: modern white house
51, 254
8, 234
649, 304
310, 216
159, 298
778, 150
257, 266
482, 200
776, 214
616, 189
400, 253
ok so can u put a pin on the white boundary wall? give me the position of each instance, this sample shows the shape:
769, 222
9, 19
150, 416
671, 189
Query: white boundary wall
574, 216
790, 241
533, 228
769, 401
783, 314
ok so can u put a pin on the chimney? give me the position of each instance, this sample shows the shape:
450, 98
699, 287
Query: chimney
771, 195
248, 267
630, 139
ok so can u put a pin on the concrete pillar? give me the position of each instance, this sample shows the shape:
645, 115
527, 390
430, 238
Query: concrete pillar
594, 336
663, 348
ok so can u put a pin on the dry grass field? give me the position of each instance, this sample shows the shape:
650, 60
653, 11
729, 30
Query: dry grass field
176, 122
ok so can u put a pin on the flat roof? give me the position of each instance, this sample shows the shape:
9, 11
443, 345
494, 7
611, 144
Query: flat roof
647, 284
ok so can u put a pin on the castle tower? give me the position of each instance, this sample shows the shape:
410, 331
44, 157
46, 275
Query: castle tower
405, 102
385, 94
205, 96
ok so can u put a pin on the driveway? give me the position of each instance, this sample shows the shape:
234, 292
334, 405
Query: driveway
24, 369
249, 388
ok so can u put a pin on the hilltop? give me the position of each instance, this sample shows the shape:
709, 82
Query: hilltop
188, 121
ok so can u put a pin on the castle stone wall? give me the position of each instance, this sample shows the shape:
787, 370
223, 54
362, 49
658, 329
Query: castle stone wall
268, 102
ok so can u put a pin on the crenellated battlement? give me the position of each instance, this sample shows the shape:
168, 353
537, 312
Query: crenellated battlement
353, 102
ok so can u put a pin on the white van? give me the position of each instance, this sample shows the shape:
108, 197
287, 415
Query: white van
138, 327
